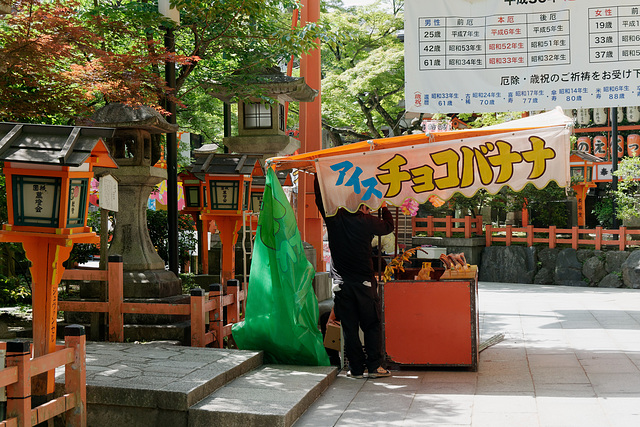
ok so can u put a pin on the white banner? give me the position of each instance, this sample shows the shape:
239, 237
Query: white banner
521, 55
418, 172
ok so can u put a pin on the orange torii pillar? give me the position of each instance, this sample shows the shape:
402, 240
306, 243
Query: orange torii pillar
309, 219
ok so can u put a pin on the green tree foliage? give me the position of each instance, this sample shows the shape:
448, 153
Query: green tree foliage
61, 59
628, 192
363, 73
187, 239
547, 206
14, 290
57, 61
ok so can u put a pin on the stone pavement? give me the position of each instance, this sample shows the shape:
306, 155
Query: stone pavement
570, 357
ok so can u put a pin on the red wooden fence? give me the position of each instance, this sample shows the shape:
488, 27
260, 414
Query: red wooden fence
597, 238
450, 225
553, 236
20, 368
202, 332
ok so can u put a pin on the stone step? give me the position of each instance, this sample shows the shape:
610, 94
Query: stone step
272, 395
149, 385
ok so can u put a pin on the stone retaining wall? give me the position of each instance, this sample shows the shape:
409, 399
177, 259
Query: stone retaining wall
569, 267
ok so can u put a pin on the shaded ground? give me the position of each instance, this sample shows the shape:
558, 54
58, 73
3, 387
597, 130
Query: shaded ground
15, 322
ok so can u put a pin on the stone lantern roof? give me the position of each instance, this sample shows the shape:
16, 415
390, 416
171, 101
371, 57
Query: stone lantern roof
122, 116
271, 82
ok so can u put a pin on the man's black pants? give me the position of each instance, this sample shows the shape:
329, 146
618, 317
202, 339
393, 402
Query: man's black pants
357, 306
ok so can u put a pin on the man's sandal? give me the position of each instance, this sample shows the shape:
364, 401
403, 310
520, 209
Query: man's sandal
358, 376
379, 373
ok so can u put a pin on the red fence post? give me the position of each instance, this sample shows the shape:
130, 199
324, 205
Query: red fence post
622, 238
116, 298
197, 317
467, 227
552, 236
447, 226
430, 226
215, 318
529, 235
478, 225
75, 374
488, 234
233, 310
598, 237
19, 393
575, 233
508, 235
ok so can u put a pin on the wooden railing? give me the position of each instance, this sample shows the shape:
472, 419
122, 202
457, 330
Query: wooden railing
470, 225
552, 236
20, 368
203, 331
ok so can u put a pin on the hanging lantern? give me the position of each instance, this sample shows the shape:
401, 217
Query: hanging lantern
600, 146
582, 116
633, 114
633, 145
620, 146
584, 144
600, 116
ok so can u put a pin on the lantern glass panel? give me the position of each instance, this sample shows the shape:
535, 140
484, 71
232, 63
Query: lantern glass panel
204, 196
77, 202
256, 201
257, 116
36, 200
246, 196
224, 195
577, 172
192, 196
282, 118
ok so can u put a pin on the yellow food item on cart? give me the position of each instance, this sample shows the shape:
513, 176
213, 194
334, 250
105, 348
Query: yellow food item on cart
425, 271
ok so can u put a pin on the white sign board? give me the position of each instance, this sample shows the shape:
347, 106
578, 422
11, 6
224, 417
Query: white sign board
108, 193
521, 55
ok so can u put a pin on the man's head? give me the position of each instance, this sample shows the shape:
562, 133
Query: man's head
364, 209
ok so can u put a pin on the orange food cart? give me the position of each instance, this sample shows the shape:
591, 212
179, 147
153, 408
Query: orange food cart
436, 322
433, 322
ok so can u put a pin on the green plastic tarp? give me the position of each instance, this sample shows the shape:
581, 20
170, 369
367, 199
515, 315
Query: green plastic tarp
281, 315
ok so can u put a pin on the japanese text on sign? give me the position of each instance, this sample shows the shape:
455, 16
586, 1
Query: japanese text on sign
444, 168
463, 56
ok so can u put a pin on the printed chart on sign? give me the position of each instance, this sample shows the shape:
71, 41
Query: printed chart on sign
503, 55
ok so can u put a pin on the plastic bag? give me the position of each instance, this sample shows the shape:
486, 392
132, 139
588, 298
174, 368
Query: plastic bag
282, 309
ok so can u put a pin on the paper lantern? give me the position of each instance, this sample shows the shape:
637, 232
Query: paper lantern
584, 144
600, 146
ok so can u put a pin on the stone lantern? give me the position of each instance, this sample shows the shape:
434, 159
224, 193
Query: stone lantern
135, 147
261, 126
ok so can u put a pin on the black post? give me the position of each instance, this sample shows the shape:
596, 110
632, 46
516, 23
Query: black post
614, 162
172, 158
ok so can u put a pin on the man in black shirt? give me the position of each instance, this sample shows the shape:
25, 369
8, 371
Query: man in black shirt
356, 301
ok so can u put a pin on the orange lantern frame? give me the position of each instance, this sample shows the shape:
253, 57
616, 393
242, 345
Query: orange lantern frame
61, 157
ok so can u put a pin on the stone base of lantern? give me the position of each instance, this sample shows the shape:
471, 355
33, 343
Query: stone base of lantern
139, 284
151, 284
